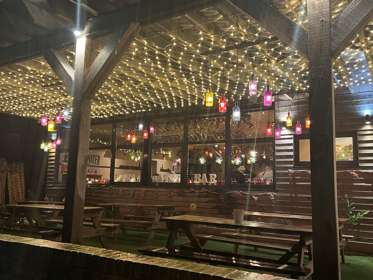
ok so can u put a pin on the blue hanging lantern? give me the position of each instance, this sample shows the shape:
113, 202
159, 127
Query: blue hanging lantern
236, 113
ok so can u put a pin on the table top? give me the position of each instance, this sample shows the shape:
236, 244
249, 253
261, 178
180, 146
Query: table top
135, 205
52, 207
41, 202
285, 216
229, 223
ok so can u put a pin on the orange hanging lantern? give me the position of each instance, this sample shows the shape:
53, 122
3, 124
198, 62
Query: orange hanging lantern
129, 137
133, 139
146, 134
269, 130
222, 104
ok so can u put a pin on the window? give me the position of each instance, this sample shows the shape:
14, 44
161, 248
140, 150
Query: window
166, 165
166, 132
100, 136
207, 130
128, 163
345, 150
206, 164
98, 171
252, 163
252, 125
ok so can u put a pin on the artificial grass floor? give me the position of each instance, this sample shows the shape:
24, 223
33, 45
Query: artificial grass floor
356, 267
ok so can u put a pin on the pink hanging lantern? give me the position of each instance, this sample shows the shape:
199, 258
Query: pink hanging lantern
278, 132
253, 87
44, 121
58, 141
298, 128
151, 129
267, 101
146, 134
59, 118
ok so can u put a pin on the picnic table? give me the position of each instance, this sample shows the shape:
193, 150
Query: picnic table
33, 213
139, 219
194, 249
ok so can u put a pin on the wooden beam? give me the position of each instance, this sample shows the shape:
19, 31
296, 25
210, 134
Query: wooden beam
108, 57
60, 66
322, 135
348, 24
270, 18
147, 12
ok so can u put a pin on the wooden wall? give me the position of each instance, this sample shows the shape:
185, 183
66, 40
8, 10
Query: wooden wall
20, 142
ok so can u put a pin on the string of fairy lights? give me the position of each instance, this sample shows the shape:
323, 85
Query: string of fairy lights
174, 63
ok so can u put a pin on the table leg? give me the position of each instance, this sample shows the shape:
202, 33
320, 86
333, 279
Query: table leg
171, 237
155, 223
193, 240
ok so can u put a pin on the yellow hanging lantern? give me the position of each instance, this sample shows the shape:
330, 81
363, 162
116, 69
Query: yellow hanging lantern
308, 122
51, 126
209, 99
289, 121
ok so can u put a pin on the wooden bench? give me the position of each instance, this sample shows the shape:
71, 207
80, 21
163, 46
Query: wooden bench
109, 227
225, 259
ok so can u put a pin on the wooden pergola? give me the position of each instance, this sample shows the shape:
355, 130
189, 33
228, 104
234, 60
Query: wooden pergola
296, 51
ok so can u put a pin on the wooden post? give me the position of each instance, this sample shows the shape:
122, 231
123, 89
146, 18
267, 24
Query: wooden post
323, 166
147, 157
113, 152
184, 176
78, 150
228, 149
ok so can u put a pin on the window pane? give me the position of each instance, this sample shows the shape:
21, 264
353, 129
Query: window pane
98, 171
166, 165
344, 149
100, 136
252, 125
206, 164
168, 132
252, 162
128, 165
127, 132
206, 130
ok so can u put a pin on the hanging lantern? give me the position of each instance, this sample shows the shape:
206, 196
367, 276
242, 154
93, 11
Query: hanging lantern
236, 113
133, 139
44, 121
58, 141
129, 137
58, 119
278, 132
267, 101
222, 104
146, 134
253, 87
298, 128
289, 121
51, 126
269, 130
141, 126
151, 129
42, 145
308, 122
209, 99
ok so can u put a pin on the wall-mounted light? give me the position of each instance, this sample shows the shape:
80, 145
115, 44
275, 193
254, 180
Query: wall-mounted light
77, 33
368, 119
